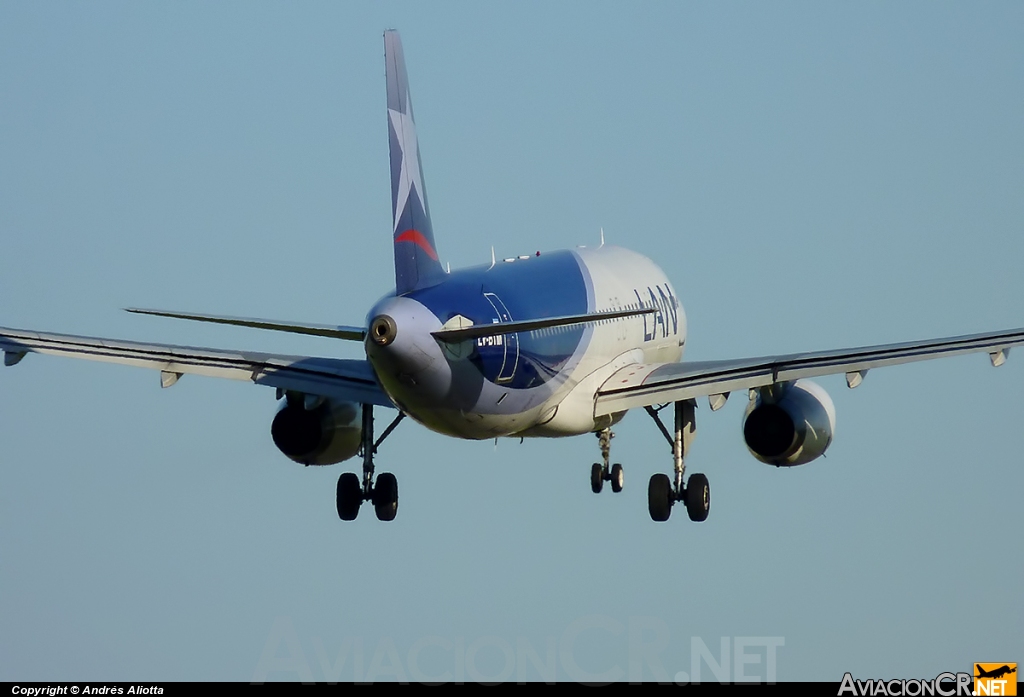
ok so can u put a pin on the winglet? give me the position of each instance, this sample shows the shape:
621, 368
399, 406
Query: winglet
416, 260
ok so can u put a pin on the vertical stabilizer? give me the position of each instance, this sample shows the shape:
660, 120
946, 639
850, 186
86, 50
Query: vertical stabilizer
416, 262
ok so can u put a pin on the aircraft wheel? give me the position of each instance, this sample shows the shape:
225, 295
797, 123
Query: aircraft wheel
698, 497
350, 496
596, 478
659, 497
617, 479
385, 496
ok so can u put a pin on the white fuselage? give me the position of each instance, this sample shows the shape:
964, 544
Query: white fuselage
444, 391
622, 279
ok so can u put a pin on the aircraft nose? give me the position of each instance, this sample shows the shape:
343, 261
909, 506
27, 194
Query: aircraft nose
383, 330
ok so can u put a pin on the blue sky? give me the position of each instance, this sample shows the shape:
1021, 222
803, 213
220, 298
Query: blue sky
809, 176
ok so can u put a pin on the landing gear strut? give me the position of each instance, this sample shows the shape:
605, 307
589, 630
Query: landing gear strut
383, 493
600, 472
663, 493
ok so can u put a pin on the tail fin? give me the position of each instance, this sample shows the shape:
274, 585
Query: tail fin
416, 262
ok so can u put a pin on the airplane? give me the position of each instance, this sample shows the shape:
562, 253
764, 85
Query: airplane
996, 673
550, 345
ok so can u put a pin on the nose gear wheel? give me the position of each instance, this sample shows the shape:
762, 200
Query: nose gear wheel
601, 472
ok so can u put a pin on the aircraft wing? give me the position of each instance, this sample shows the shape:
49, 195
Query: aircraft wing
646, 385
349, 380
329, 330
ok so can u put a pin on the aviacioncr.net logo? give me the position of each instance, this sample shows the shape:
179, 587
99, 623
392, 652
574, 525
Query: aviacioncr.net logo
943, 685
995, 679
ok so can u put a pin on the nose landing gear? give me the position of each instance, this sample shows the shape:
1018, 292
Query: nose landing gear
383, 493
601, 472
663, 493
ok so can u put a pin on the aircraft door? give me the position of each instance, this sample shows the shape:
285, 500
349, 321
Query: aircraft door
507, 343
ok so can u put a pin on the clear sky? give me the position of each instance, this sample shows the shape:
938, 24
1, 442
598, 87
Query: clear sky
809, 176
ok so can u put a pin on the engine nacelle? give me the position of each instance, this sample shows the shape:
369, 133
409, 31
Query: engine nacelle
789, 423
328, 433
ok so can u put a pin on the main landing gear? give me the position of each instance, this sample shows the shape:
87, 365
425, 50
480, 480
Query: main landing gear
384, 492
663, 493
600, 472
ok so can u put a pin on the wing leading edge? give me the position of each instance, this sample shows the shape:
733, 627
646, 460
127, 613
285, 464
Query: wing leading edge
645, 385
348, 380
331, 331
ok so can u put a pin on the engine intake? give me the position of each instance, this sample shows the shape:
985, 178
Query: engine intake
789, 424
324, 435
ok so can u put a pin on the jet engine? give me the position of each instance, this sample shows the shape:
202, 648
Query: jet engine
317, 431
789, 423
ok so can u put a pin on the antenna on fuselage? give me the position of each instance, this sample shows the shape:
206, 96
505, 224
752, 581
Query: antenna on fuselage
493, 260
602, 239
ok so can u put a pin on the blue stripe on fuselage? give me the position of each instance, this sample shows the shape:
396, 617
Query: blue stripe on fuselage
549, 285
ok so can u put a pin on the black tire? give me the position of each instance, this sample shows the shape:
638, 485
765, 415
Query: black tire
385, 496
596, 478
617, 478
350, 496
659, 497
698, 498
